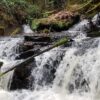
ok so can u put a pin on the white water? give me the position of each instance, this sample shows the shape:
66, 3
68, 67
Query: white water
77, 76
27, 30
8, 51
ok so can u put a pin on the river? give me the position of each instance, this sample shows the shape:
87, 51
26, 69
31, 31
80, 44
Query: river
77, 69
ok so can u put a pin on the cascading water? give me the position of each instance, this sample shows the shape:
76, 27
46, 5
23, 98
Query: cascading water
8, 51
64, 73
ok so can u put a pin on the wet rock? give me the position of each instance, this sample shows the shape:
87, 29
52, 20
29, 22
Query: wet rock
1, 63
92, 26
25, 46
94, 29
28, 45
22, 78
97, 20
32, 45
38, 41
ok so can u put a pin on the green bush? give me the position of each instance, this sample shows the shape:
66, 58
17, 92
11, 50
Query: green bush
34, 11
35, 24
21, 9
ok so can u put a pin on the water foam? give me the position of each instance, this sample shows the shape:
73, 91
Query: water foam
77, 76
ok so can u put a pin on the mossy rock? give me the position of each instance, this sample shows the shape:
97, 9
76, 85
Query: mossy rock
46, 31
53, 25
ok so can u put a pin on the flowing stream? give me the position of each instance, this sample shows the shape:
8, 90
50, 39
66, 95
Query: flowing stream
64, 73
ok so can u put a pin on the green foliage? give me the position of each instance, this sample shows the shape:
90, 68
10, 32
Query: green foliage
56, 4
20, 9
11, 4
50, 4
61, 42
27, 10
45, 14
50, 26
35, 24
33, 11
61, 24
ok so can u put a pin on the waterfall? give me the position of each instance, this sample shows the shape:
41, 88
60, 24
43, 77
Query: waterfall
64, 73
8, 51
27, 30
44, 72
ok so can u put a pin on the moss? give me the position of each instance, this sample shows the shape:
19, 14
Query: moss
46, 31
61, 41
42, 24
61, 25
35, 24
15, 31
53, 24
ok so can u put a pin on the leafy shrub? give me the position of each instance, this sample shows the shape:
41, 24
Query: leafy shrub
21, 8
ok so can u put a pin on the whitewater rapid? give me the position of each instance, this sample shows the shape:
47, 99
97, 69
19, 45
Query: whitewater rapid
77, 75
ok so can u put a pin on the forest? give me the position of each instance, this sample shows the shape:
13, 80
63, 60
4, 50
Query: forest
44, 16
50, 49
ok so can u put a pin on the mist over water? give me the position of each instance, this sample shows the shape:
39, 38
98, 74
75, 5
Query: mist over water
77, 70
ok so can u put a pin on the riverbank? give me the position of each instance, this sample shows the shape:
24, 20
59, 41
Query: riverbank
17, 13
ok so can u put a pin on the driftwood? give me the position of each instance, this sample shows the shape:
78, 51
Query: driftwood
30, 59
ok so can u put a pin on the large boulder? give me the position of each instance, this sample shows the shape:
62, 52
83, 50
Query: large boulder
56, 22
22, 78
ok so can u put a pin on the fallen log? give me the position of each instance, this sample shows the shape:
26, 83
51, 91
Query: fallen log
30, 59
37, 38
27, 54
